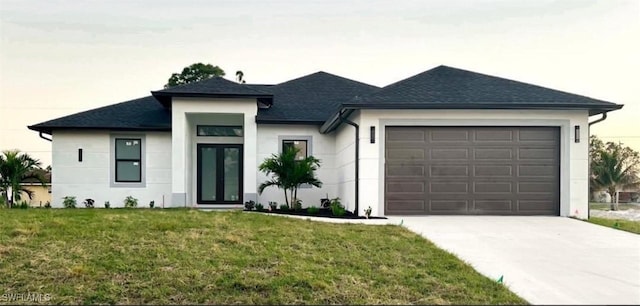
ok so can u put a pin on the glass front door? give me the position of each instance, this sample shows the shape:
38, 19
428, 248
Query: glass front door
219, 174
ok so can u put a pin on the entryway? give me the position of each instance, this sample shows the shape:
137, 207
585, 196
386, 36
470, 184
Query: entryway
219, 177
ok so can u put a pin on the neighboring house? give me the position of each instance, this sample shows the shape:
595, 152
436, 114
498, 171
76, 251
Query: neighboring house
41, 192
445, 141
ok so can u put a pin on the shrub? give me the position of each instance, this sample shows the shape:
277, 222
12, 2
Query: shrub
313, 210
273, 205
336, 207
88, 203
367, 212
107, 204
130, 202
297, 205
3, 203
152, 204
259, 206
47, 205
249, 205
284, 207
69, 202
23, 205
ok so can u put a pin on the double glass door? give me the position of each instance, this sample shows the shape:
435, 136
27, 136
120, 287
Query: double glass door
219, 174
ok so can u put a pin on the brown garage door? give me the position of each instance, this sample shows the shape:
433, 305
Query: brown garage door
472, 171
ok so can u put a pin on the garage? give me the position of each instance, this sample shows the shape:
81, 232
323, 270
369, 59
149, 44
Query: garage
472, 170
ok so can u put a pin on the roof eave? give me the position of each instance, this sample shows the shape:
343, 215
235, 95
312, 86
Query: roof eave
334, 121
49, 129
165, 97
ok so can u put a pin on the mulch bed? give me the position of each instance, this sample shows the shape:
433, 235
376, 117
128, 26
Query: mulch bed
322, 213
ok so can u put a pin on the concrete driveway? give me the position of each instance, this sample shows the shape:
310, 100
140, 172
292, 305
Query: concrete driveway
545, 260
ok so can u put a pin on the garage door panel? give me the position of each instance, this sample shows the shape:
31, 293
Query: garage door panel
505, 188
406, 187
406, 154
405, 170
494, 171
536, 205
449, 154
449, 135
449, 171
448, 206
492, 205
537, 171
492, 135
407, 206
492, 154
448, 187
536, 153
472, 170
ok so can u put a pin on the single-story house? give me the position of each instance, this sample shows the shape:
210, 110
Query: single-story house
445, 141
41, 191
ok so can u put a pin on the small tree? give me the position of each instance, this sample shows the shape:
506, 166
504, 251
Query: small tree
614, 167
15, 168
288, 174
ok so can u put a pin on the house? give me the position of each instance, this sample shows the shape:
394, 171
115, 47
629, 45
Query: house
41, 191
445, 141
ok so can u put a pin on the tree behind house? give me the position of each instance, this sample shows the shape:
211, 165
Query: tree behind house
614, 167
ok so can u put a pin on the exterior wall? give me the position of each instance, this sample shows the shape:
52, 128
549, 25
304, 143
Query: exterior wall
40, 196
91, 178
574, 185
345, 164
186, 114
322, 147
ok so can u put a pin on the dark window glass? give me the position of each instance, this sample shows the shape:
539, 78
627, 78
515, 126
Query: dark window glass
220, 130
301, 145
128, 160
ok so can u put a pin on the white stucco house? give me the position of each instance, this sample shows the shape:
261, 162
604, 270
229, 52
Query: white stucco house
445, 141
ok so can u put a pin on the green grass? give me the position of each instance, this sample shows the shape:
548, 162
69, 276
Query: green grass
607, 206
187, 256
625, 225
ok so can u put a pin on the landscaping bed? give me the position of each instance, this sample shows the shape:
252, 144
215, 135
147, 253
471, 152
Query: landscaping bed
322, 212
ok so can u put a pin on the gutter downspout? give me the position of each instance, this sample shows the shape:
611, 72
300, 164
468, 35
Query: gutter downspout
357, 179
603, 118
45, 138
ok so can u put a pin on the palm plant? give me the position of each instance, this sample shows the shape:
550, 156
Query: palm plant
288, 174
16, 167
614, 168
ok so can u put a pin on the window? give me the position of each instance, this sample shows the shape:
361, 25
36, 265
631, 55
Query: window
220, 130
299, 144
128, 160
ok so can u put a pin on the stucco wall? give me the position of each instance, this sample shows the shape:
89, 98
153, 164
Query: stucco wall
573, 156
40, 195
322, 147
345, 163
91, 178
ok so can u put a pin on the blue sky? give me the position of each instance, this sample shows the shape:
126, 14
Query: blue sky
60, 57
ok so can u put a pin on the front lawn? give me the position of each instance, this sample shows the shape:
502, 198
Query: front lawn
181, 256
625, 225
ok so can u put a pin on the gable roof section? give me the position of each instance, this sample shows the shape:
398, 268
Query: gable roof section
310, 99
447, 87
139, 114
212, 87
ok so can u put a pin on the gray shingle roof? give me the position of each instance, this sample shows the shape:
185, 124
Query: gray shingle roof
139, 114
447, 87
311, 98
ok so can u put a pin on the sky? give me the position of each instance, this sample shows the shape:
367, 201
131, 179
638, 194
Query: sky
62, 57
